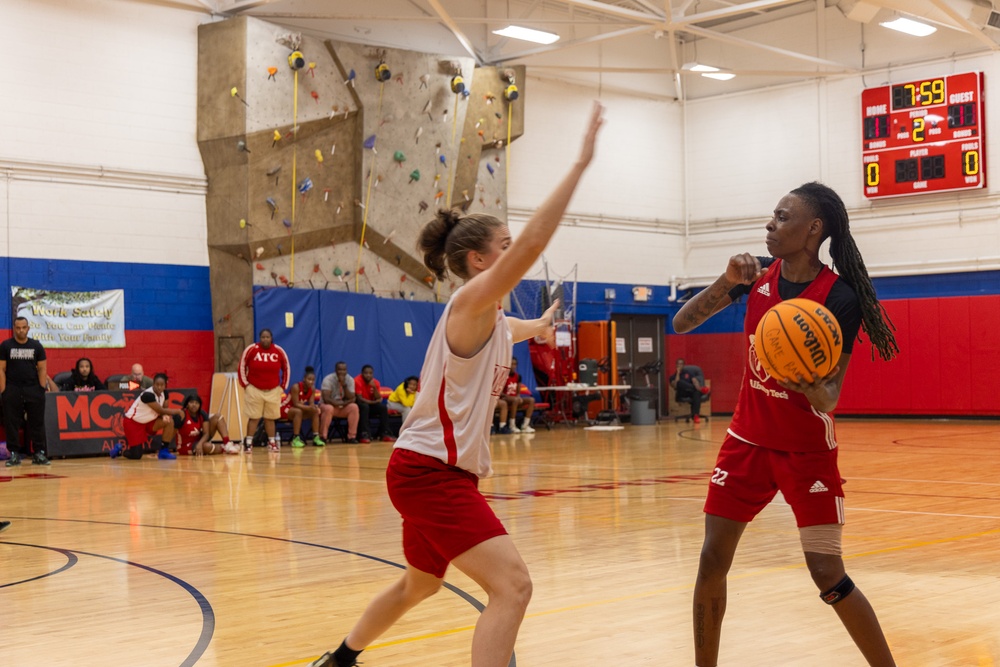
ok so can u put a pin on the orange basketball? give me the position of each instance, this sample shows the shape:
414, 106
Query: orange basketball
798, 337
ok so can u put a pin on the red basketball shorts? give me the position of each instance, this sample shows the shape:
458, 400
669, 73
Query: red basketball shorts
136, 433
444, 514
747, 477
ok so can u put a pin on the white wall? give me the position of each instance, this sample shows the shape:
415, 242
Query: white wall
98, 157
97, 132
783, 137
635, 181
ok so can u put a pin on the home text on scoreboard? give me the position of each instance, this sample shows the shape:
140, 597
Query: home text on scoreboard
924, 136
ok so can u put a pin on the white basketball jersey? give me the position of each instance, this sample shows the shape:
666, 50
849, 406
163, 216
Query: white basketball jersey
141, 412
451, 417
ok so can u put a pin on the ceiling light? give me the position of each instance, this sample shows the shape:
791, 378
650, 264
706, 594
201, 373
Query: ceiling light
697, 67
914, 28
708, 71
527, 34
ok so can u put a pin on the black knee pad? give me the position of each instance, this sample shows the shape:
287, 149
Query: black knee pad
838, 592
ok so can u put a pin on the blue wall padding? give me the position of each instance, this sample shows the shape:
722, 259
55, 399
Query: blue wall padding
320, 337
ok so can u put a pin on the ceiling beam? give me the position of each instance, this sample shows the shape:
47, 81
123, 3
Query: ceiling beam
791, 73
422, 19
559, 46
203, 9
455, 30
243, 5
735, 10
653, 9
612, 10
739, 41
968, 25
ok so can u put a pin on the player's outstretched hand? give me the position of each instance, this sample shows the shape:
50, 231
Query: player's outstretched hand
590, 138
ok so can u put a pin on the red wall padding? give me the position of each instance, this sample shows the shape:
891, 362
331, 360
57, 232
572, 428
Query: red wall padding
949, 361
187, 357
722, 358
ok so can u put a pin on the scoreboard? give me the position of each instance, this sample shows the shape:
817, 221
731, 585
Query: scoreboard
924, 136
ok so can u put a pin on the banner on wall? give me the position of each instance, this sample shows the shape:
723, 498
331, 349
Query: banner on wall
72, 319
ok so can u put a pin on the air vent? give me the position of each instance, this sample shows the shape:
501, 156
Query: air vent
994, 20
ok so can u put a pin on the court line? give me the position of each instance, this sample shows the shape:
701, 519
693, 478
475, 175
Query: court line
962, 516
159, 471
683, 587
923, 481
71, 560
207, 613
479, 606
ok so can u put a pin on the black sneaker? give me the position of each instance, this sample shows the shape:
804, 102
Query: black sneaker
14, 460
327, 660
38, 459
351, 441
4, 525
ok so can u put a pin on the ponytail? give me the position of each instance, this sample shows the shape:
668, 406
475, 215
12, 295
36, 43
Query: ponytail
447, 240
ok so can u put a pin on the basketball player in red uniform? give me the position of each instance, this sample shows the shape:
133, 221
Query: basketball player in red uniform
437, 462
782, 435
196, 428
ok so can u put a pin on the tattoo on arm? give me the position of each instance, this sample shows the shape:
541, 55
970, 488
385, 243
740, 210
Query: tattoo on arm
703, 305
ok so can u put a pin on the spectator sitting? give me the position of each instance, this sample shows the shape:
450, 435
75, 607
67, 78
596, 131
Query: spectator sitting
511, 401
138, 380
83, 378
196, 428
338, 401
403, 397
369, 398
300, 402
689, 383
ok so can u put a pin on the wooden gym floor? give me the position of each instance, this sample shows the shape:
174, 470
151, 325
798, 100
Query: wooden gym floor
220, 561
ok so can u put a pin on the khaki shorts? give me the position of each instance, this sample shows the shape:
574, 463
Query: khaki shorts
263, 403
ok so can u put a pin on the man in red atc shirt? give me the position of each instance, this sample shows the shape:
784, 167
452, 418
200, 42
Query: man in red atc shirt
264, 373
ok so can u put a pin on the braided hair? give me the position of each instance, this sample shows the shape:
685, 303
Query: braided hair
447, 240
828, 207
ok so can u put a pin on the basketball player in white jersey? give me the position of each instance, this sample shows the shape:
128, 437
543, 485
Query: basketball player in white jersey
443, 449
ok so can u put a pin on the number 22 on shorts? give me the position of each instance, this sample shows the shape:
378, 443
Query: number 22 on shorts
719, 477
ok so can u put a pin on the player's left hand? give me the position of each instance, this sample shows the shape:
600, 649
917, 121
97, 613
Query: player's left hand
812, 384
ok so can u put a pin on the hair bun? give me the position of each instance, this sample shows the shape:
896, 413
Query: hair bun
451, 217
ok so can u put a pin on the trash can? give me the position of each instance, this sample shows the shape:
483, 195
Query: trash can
642, 404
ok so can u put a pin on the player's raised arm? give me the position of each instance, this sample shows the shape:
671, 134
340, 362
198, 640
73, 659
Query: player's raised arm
483, 291
742, 269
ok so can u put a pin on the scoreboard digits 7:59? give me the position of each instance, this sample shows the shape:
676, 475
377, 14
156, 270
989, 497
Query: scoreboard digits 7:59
924, 136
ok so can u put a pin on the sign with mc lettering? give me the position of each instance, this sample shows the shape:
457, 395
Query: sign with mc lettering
72, 319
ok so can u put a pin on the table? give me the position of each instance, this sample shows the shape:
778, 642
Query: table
606, 391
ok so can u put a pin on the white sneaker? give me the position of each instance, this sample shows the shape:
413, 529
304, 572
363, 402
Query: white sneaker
527, 429
231, 448
513, 427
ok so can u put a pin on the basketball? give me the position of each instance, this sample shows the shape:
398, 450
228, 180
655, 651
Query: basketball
798, 337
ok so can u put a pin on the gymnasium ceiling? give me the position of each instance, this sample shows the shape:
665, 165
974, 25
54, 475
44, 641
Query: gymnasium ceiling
642, 46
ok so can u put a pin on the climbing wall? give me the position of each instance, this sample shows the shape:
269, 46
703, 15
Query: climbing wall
325, 159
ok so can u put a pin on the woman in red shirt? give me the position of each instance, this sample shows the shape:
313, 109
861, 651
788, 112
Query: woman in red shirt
782, 434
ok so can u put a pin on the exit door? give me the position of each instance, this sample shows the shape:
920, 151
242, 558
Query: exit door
639, 342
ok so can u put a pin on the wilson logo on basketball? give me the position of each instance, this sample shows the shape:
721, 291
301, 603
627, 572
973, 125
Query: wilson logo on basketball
811, 344
798, 338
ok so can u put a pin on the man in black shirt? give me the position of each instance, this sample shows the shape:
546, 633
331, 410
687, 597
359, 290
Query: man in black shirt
22, 386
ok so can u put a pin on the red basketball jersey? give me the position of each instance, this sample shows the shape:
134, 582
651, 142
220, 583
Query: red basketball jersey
767, 414
190, 431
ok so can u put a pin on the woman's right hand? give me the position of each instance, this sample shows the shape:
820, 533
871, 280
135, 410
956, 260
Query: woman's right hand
744, 269
590, 138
